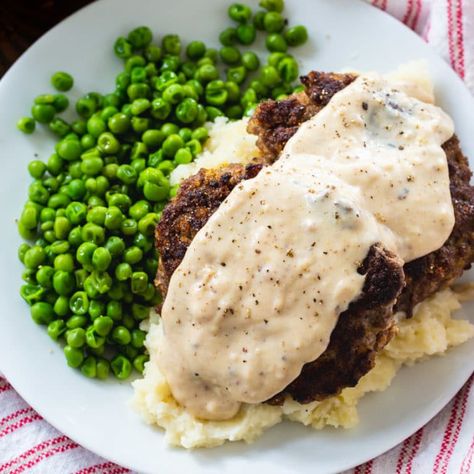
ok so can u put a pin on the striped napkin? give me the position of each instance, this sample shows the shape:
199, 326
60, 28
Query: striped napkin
445, 445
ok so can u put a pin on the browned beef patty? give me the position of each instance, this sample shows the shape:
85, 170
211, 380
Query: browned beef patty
368, 324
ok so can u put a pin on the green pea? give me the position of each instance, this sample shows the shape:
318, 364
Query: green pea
113, 218
183, 156
58, 200
96, 309
160, 108
138, 74
93, 233
230, 54
258, 20
85, 107
171, 144
246, 33
101, 259
97, 215
139, 282
153, 53
228, 37
138, 338
93, 339
121, 367
79, 303
61, 306
108, 144
76, 212
76, 337
103, 325
42, 313
139, 362
115, 245
272, 5
171, 44
118, 123
63, 283
143, 242
236, 74
92, 166
296, 35
233, 92
114, 310
288, 69
62, 81
121, 335
239, 12
84, 254
60, 104
36, 168
69, 150
129, 227
89, 367
100, 281
79, 127
64, 262
201, 134
56, 329
122, 201
126, 174
216, 93
34, 257
62, 226
77, 321
29, 217
75, 236
102, 369
273, 22
88, 141
250, 61
96, 126
26, 125
31, 293
234, 111
187, 110
23, 248
55, 164
275, 42
153, 138
194, 146
139, 106
74, 356
140, 125
270, 76
195, 50
206, 73
59, 247
174, 93
132, 255
43, 113
140, 311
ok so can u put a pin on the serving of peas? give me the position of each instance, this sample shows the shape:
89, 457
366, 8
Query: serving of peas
93, 205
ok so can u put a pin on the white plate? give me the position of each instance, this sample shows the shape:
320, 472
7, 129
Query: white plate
343, 33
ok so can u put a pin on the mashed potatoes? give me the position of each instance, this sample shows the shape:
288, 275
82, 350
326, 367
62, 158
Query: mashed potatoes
431, 331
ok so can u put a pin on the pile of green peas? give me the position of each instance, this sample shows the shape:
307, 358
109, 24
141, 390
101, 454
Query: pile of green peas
93, 206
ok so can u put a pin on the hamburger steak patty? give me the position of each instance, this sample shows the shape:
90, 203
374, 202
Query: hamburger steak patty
369, 323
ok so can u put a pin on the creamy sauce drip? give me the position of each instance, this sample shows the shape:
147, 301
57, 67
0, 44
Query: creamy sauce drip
262, 284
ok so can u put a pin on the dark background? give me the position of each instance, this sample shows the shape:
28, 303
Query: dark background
22, 22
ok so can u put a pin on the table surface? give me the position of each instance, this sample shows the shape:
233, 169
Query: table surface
22, 22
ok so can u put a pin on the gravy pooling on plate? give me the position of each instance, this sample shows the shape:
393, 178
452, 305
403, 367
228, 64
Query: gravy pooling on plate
261, 286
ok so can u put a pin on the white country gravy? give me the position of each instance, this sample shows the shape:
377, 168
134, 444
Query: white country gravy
262, 284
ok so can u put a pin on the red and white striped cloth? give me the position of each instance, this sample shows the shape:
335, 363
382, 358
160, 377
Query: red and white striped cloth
28, 444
